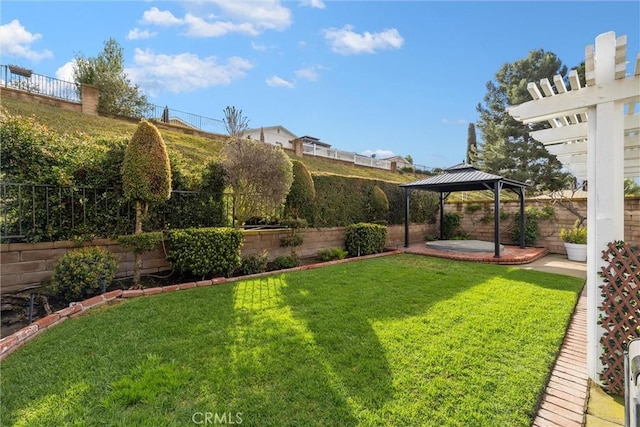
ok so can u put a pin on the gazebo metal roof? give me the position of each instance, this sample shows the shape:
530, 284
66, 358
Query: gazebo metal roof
465, 177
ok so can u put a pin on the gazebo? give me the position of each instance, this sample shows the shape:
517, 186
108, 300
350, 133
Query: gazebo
465, 177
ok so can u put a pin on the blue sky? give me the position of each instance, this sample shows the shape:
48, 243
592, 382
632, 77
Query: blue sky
401, 77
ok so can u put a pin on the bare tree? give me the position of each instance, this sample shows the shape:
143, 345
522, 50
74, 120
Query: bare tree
235, 122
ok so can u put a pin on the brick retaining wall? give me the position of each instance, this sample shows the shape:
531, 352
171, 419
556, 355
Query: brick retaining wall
25, 265
475, 228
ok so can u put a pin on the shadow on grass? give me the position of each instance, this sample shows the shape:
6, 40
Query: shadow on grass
340, 304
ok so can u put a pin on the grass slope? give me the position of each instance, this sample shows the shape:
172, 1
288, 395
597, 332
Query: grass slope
195, 149
399, 340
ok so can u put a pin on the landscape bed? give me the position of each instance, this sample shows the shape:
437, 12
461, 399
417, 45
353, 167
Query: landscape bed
397, 340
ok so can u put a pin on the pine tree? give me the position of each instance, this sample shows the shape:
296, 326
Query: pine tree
507, 148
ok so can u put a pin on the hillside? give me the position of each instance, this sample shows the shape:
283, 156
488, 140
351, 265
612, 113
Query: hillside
197, 150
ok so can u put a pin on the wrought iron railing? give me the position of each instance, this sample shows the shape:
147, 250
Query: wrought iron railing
24, 79
31, 213
184, 119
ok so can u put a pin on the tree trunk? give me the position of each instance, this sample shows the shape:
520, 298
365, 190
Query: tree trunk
137, 265
138, 217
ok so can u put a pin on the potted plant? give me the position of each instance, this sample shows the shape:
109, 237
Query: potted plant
575, 241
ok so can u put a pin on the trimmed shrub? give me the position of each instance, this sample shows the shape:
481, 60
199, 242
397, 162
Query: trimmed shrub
294, 238
378, 205
332, 254
205, 251
80, 273
299, 202
365, 239
146, 171
252, 264
284, 262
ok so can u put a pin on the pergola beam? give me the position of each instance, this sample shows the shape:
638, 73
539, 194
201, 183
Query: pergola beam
579, 101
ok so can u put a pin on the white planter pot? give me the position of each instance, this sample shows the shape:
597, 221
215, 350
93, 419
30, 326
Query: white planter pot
576, 252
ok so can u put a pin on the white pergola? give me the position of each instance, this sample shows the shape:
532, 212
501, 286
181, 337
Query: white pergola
595, 133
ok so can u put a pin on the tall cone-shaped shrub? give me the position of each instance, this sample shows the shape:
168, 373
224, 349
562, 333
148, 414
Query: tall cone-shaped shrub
299, 202
146, 176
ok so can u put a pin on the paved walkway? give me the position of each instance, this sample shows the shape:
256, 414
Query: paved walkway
564, 403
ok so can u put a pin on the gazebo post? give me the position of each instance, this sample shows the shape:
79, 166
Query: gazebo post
407, 192
496, 223
441, 215
522, 218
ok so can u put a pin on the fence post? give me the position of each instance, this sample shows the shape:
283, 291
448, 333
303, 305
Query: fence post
89, 98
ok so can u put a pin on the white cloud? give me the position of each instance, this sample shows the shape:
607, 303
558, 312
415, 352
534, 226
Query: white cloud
316, 4
138, 34
275, 81
247, 17
454, 122
263, 14
184, 72
380, 154
16, 41
345, 41
309, 73
162, 18
198, 27
259, 47
66, 71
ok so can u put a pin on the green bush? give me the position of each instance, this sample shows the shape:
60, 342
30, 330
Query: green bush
341, 201
450, 224
284, 262
79, 273
299, 202
205, 251
365, 239
140, 243
532, 216
332, 254
378, 206
252, 264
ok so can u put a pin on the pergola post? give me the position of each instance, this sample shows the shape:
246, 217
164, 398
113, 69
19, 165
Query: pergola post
605, 192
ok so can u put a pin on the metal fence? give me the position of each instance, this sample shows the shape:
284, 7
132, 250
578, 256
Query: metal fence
32, 213
181, 118
23, 79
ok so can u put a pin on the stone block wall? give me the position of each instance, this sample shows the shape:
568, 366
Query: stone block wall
476, 226
24, 266
40, 99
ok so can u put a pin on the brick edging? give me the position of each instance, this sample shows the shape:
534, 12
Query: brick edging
11, 343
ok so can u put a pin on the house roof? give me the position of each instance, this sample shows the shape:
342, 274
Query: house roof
314, 140
463, 177
267, 128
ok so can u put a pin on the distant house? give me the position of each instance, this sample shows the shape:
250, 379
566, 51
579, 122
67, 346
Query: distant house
179, 122
315, 141
401, 162
276, 135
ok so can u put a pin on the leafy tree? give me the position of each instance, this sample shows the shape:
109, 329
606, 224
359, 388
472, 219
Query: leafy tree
236, 123
260, 176
508, 149
146, 176
631, 187
302, 193
118, 95
472, 145
409, 159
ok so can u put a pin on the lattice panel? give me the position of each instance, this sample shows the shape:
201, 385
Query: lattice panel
620, 310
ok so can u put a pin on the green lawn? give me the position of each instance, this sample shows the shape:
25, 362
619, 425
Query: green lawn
398, 340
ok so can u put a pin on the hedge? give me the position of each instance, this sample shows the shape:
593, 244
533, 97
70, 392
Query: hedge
365, 239
205, 251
